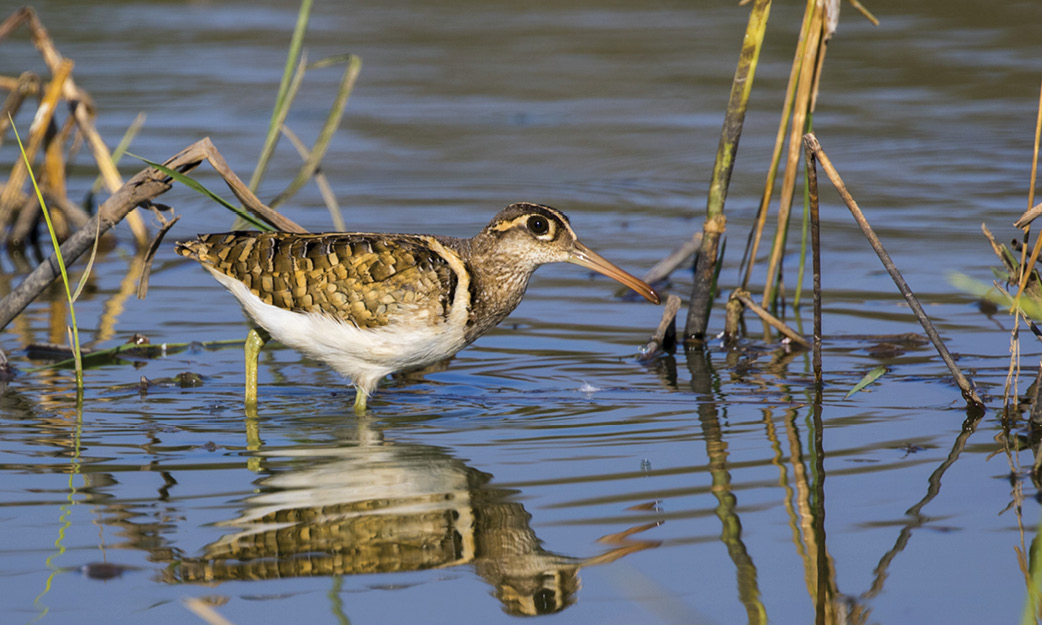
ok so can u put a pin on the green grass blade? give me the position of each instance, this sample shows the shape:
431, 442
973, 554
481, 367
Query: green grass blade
1028, 306
90, 263
295, 45
196, 186
329, 127
869, 378
287, 89
75, 331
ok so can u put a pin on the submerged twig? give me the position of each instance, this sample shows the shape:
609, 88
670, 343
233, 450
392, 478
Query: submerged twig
774, 322
968, 392
132, 349
665, 335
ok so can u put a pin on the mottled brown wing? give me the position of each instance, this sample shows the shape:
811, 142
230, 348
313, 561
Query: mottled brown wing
366, 279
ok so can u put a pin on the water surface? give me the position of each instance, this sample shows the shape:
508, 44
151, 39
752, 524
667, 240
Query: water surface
544, 469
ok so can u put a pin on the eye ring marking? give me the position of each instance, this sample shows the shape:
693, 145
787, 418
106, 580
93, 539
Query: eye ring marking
538, 225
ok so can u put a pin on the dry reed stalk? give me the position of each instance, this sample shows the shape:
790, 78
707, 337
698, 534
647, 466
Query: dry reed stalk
753, 245
1033, 211
287, 91
969, 393
52, 184
81, 111
329, 128
18, 90
820, 21
103, 157
37, 132
801, 108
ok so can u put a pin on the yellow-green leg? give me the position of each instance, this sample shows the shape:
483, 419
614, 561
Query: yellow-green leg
255, 340
361, 397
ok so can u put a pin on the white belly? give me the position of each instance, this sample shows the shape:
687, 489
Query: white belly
364, 356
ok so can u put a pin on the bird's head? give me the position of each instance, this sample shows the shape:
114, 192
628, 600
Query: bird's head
532, 235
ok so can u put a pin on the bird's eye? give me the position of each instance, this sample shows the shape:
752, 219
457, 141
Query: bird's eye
538, 225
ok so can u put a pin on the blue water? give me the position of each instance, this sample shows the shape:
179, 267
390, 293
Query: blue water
545, 468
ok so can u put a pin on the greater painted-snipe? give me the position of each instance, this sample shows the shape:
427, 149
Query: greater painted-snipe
370, 304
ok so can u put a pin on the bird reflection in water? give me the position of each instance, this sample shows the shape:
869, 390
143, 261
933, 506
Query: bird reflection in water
388, 507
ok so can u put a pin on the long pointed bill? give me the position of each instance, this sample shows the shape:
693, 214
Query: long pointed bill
585, 257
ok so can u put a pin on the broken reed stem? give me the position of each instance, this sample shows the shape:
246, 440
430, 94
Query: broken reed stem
142, 188
715, 223
37, 133
73, 330
815, 246
121, 147
774, 322
107, 167
666, 329
797, 298
146, 268
1030, 215
52, 184
968, 392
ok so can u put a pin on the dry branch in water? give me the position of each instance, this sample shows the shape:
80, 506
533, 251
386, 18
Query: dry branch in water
140, 190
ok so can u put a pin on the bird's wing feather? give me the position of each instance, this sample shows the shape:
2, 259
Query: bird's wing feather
369, 280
